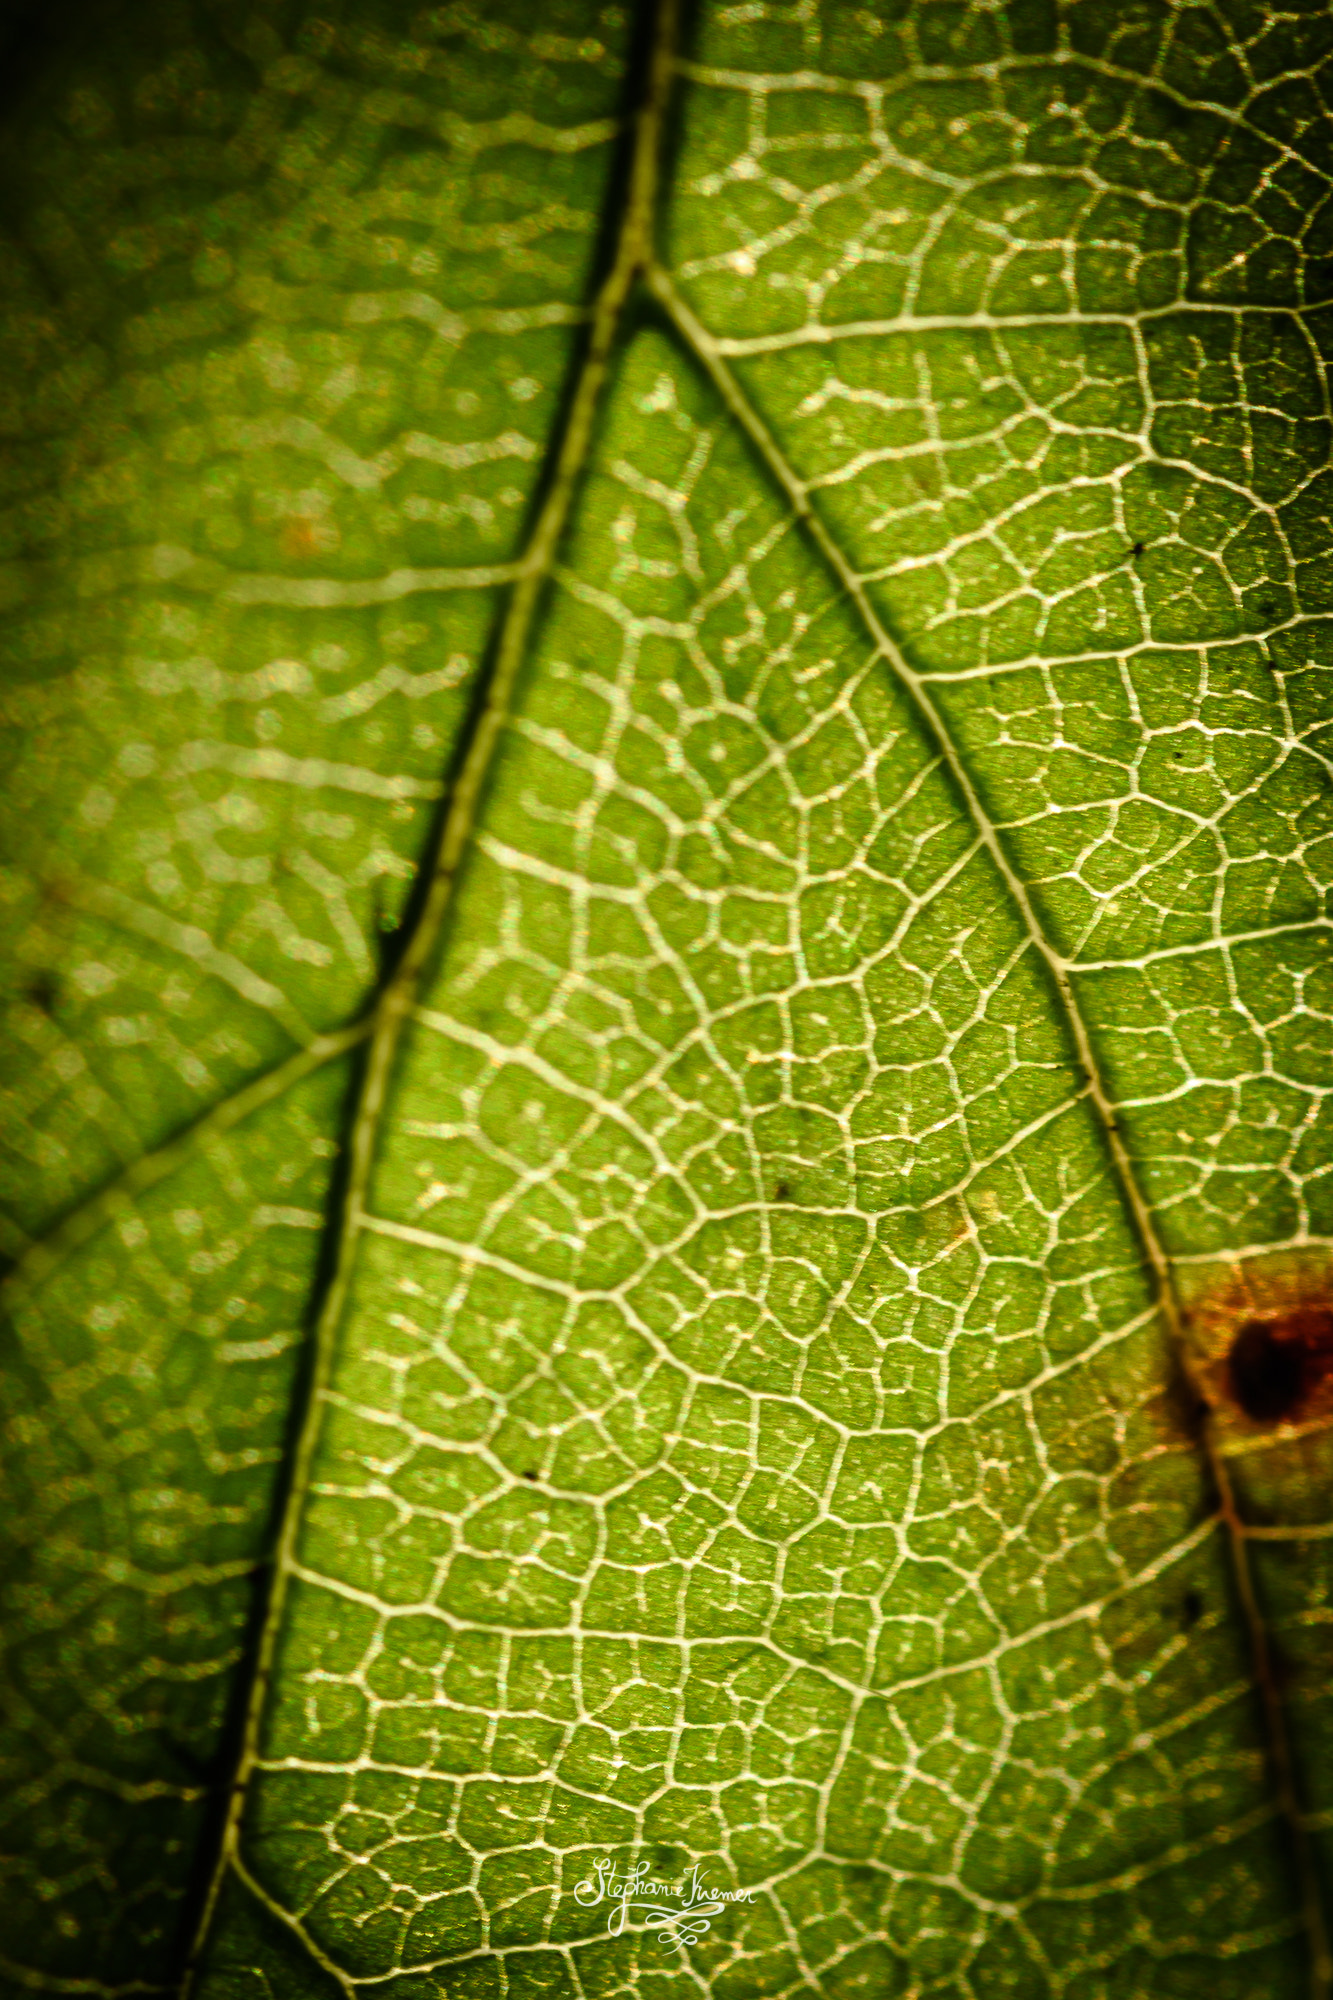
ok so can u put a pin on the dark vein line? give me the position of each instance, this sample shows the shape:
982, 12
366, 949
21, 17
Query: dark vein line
43, 1256
632, 253
704, 350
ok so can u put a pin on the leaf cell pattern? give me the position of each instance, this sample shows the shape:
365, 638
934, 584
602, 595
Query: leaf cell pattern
778, 1240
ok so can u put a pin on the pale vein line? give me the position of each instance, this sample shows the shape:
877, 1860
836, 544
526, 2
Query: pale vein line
758, 83
187, 941
308, 774
398, 998
294, 1925
816, 333
699, 342
1231, 941
328, 592
992, 1657
1243, 1253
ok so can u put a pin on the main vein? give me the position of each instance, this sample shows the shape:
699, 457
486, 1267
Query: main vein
708, 354
632, 253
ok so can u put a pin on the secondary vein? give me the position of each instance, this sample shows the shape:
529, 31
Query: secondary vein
48, 1251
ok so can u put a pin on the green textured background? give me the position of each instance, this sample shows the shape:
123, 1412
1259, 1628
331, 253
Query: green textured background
754, 1433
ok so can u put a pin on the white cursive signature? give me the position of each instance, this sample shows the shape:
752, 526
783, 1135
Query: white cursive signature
639, 1898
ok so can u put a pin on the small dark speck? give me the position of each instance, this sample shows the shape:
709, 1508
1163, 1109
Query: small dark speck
43, 991
529, 1475
782, 1192
1137, 550
1191, 1610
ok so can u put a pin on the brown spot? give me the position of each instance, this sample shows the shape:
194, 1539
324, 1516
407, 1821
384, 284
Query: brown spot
304, 535
962, 1225
1274, 1364
57, 889
298, 538
782, 1192
1261, 1340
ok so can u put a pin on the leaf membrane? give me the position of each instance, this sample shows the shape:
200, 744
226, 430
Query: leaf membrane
754, 1434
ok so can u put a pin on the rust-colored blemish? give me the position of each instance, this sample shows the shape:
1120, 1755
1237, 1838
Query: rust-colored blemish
308, 535
299, 538
1260, 1340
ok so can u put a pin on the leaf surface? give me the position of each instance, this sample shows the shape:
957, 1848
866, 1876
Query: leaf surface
667, 852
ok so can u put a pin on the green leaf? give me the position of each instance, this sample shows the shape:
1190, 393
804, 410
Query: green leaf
668, 1177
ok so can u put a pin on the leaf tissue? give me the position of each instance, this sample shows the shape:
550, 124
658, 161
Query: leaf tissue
667, 1166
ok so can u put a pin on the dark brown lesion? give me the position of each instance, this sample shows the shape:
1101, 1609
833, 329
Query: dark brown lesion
1260, 1336
1275, 1366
